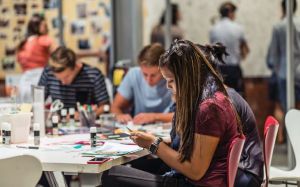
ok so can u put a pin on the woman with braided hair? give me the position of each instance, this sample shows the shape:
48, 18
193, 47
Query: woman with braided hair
205, 121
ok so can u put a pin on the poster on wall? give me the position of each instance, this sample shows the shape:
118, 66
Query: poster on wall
50, 4
81, 10
78, 27
20, 9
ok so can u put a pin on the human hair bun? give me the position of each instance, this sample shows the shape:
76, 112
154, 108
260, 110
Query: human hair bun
218, 50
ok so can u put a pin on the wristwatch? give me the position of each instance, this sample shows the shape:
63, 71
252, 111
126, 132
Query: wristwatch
154, 146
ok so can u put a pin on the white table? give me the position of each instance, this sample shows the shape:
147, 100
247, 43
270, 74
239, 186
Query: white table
69, 161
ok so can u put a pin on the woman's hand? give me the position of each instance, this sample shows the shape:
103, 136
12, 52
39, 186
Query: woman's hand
142, 139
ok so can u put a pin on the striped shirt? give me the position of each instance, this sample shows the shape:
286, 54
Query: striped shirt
88, 87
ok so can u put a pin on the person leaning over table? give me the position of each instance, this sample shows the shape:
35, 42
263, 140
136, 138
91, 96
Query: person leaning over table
205, 120
143, 89
72, 81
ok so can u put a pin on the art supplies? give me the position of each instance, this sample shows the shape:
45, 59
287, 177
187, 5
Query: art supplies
36, 133
112, 149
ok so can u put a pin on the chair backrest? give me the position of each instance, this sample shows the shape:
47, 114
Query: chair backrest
292, 123
24, 170
270, 133
233, 158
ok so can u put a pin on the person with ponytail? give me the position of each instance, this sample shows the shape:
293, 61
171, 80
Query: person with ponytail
206, 122
250, 171
33, 54
34, 51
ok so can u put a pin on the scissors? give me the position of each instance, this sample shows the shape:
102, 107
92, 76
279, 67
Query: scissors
56, 106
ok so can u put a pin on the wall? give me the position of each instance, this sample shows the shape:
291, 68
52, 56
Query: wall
88, 21
257, 17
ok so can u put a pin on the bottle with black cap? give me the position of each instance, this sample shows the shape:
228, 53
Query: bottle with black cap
93, 132
72, 116
36, 133
63, 115
55, 121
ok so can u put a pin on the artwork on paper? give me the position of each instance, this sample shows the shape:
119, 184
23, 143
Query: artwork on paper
77, 27
8, 63
96, 26
81, 10
83, 44
20, 9
50, 4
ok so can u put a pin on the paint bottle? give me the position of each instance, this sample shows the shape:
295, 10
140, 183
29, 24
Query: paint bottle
55, 125
36, 133
93, 132
63, 114
72, 116
8, 134
3, 132
106, 109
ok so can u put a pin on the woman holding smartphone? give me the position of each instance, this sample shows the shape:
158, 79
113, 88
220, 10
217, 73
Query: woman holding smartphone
205, 121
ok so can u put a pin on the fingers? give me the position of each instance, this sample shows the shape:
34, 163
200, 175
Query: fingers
124, 118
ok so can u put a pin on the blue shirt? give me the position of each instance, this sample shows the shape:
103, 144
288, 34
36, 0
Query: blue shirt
145, 98
276, 57
230, 34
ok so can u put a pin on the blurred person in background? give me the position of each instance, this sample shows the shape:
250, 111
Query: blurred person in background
33, 54
232, 35
158, 32
276, 61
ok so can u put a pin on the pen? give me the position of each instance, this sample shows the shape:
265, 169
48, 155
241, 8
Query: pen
28, 147
129, 129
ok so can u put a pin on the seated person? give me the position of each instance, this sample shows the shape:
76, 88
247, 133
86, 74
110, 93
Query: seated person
71, 81
250, 171
205, 119
144, 89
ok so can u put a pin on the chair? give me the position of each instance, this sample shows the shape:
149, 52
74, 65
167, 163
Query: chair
233, 158
23, 170
270, 133
292, 123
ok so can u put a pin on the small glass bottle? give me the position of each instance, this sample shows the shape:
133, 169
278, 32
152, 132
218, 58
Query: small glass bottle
55, 121
72, 116
3, 131
36, 134
93, 132
8, 134
63, 114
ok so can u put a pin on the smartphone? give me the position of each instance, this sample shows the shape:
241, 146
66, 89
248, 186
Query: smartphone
98, 160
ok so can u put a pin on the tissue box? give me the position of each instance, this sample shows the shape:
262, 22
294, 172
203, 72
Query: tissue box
20, 126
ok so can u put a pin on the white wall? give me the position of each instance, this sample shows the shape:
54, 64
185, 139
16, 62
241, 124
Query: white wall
257, 17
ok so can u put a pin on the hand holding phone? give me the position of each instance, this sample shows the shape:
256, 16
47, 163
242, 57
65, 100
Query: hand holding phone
98, 160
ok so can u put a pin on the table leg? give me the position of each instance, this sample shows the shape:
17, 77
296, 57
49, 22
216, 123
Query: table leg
90, 179
55, 179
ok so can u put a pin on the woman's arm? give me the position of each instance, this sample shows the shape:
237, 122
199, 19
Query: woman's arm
204, 149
